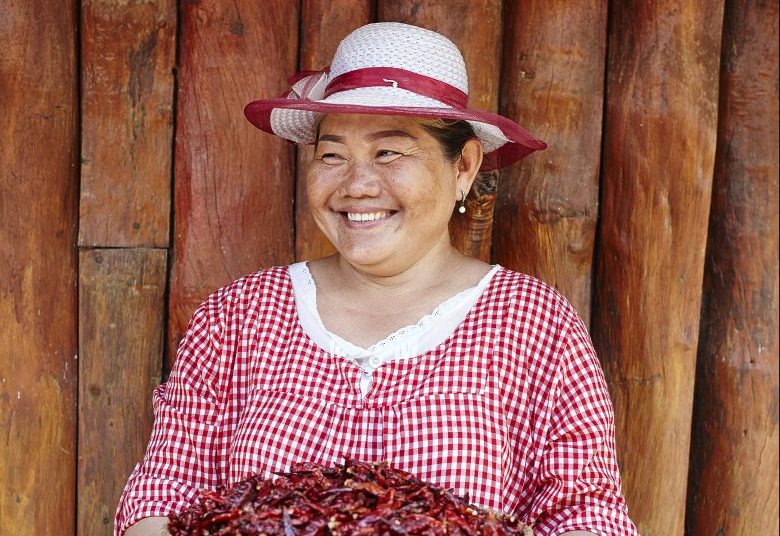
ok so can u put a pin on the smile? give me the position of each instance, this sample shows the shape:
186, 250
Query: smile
368, 216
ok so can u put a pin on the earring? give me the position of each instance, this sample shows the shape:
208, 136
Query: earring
462, 207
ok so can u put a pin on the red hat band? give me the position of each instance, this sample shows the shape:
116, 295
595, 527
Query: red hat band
399, 78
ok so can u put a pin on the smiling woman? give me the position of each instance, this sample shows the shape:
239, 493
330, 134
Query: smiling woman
398, 348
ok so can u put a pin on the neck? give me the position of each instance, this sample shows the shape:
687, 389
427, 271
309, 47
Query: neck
420, 274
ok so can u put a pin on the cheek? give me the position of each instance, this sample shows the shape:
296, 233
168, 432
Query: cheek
426, 193
319, 186
418, 181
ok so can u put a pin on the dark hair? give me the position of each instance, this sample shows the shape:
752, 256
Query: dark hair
451, 134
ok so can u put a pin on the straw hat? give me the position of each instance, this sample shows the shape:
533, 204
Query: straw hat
390, 68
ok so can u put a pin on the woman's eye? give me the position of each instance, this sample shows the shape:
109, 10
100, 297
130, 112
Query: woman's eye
386, 155
331, 158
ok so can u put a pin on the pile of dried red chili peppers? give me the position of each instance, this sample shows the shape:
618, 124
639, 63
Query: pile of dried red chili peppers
353, 499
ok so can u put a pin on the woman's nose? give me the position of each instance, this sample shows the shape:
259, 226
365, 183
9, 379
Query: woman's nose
361, 180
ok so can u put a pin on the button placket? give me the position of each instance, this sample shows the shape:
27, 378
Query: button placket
365, 382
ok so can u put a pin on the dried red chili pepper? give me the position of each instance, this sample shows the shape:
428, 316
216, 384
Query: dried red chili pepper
353, 499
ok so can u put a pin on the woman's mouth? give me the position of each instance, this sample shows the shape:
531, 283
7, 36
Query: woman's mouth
362, 217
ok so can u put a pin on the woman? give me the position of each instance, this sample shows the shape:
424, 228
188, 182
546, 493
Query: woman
398, 347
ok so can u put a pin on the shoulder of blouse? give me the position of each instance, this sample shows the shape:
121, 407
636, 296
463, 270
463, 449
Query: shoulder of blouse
237, 296
221, 315
539, 331
529, 295
204, 351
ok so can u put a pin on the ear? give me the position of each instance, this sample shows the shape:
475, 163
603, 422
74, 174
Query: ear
468, 164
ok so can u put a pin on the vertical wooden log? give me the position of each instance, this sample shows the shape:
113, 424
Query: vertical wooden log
121, 306
475, 27
323, 25
659, 152
38, 211
552, 83
234, 184
732, 487
127, 52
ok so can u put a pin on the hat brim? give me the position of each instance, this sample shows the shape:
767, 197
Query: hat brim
520, 143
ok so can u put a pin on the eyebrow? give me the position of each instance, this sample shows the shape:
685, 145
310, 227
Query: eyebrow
371, 137
389, 134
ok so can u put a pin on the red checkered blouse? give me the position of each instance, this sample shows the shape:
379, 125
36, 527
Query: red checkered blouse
511, 409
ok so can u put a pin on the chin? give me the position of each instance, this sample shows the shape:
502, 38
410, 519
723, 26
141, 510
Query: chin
366, 259
366, 256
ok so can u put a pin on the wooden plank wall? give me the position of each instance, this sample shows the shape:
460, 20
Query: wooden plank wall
38, 222
121, 303
127, 55
654, 210
127, 102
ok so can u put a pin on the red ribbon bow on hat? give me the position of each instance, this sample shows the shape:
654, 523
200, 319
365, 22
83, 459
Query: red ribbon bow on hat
309, 85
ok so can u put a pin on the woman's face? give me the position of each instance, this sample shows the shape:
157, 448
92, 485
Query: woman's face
382, 191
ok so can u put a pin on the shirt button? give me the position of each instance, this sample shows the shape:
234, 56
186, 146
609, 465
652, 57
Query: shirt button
374, 361
365, 382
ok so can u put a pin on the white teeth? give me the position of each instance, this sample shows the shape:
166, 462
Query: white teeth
371, 216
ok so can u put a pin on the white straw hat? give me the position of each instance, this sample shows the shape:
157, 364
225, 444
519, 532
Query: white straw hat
390, 68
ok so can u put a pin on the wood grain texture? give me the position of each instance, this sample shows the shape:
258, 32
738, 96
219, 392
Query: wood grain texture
471, 232
233, 184
733, 488
121, 308
552, 84
659, 151
324, 24
38, 221
466, 23
127, 56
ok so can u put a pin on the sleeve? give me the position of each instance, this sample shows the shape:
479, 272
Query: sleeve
578, 485
179, 460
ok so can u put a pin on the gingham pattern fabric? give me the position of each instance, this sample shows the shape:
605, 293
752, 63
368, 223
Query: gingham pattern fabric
512, 409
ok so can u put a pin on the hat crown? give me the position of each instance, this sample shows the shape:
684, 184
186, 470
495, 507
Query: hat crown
402, 46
